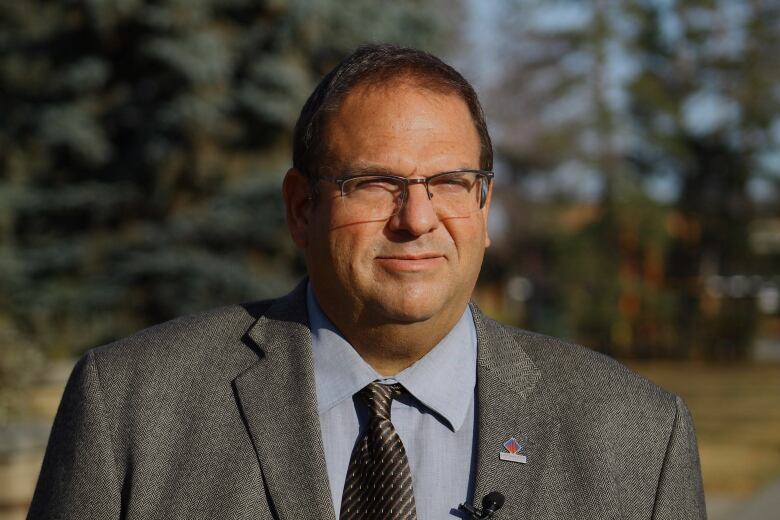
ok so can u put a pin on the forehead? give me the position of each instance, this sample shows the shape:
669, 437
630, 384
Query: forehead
405, 127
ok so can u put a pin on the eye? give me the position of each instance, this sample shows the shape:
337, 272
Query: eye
370, 184
455, 181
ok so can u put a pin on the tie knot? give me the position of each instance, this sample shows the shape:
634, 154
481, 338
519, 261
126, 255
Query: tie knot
379, 398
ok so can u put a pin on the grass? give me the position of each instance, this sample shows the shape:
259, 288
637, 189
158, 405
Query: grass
736, 411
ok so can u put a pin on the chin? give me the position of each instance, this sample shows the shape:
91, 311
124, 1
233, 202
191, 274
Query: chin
406, 316
411, 308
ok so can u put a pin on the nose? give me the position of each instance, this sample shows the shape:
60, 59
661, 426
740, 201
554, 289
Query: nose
417, 216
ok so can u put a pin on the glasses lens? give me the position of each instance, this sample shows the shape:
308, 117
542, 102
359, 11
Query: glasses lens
373, 197
377, 197
456, 194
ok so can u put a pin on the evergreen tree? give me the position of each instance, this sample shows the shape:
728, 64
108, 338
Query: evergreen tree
142, 149
705, 105
561, 130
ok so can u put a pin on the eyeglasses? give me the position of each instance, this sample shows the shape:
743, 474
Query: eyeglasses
453, 194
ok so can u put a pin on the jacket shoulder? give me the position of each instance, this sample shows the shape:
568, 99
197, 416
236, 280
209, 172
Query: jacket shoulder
211, 342
579, 377
639, 435
186, 335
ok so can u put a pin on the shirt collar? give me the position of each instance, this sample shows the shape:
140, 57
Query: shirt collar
443, 380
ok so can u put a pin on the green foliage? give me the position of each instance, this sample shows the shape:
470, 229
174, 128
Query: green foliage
602, 102
609, 273
142, 149
704, 103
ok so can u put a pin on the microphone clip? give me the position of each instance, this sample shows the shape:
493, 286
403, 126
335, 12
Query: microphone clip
491, 503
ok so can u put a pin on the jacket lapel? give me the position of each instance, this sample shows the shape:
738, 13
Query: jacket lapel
278, 400
508, 407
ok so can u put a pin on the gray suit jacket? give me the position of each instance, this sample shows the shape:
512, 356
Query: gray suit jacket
215, 416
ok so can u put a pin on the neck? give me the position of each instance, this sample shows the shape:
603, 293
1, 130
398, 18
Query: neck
390, 347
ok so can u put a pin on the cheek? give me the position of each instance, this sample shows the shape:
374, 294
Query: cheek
339, 256
346, 255
469, 238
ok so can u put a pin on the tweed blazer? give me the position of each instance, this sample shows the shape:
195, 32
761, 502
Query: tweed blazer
215, 416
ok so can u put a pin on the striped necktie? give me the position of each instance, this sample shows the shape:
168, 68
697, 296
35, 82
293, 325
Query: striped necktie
379, 481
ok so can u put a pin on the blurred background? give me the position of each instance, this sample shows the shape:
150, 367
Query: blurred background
636, 209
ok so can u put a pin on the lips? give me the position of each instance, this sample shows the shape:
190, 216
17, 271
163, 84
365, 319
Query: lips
411, 262
416, 256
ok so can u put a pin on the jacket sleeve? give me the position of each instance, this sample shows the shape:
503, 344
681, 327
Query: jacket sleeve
79, 476
680, 494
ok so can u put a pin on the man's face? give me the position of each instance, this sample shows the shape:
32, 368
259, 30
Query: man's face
412, 266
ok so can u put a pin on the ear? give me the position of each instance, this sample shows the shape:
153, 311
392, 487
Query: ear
297, 201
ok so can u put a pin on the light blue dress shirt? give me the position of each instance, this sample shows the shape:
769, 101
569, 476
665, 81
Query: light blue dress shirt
436, 423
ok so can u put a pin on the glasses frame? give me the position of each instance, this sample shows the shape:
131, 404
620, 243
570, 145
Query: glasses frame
408, 181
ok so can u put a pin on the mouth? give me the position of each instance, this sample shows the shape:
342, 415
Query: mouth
411, 262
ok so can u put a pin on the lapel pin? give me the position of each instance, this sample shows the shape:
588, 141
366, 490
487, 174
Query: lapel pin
514, 451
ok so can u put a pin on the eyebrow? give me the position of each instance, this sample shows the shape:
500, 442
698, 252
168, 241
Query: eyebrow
355, 170
368, 169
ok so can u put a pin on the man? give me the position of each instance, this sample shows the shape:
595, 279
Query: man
374, 389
